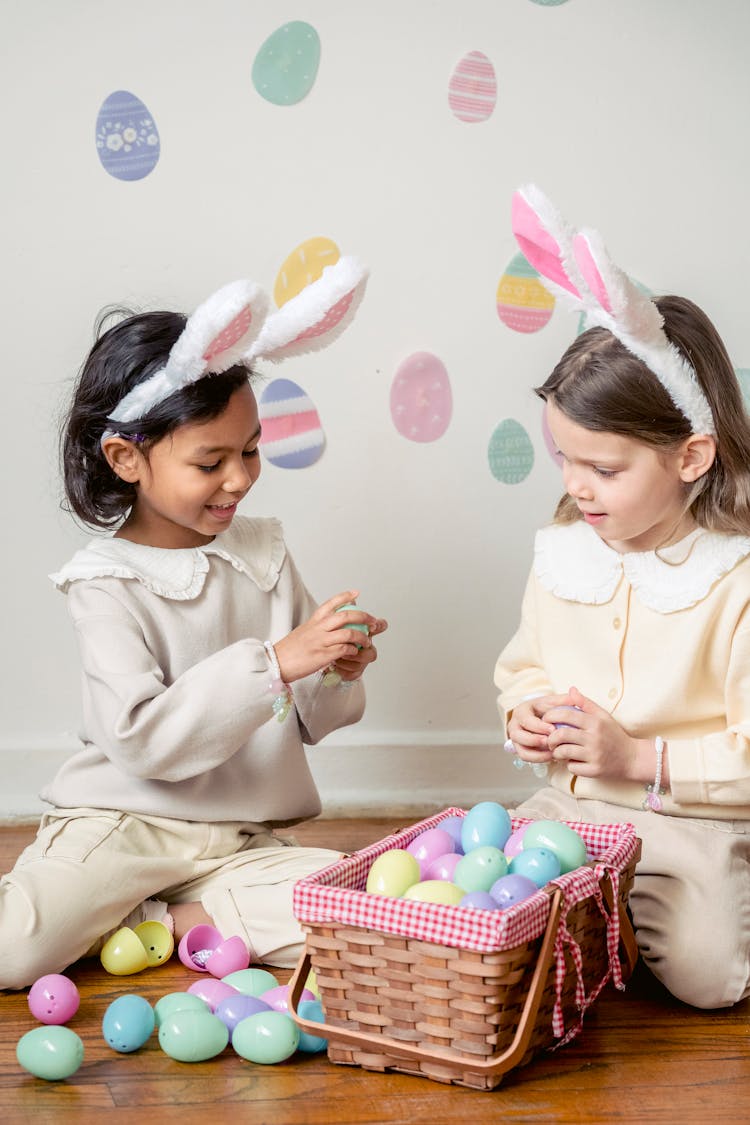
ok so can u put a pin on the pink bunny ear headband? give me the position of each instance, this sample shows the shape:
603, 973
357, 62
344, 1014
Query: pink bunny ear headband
576, 267
233, 326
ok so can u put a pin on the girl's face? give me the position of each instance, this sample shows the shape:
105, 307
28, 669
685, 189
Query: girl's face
632, 494
191, 481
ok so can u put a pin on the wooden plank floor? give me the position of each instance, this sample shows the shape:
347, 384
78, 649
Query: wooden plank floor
642, 1057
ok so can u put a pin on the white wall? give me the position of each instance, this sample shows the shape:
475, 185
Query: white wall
631, 114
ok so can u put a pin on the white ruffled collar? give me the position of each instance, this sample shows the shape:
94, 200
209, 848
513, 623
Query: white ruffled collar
573, 563
253, 546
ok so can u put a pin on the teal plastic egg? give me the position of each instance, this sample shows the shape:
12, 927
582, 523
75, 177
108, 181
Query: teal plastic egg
193, 1036
128, 1023
565, 842
286, 65
51, 1052
267, 1037
392, 873
485, 825
538, 864
480, 868
178, 1002
251, 982
311, 1010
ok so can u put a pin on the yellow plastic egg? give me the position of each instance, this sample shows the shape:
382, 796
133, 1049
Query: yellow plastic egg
435, 890
392, 873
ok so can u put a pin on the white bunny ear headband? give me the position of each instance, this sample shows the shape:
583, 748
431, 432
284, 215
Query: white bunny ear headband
233, 326
576, 267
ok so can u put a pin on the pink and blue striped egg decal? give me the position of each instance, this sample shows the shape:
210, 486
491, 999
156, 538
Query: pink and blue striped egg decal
472, 90
292, 436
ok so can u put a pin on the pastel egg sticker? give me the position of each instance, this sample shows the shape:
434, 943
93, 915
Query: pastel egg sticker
510, 452
522, 301
127, 140
304, 265
472, 90
292, 436
421, 399
286, 65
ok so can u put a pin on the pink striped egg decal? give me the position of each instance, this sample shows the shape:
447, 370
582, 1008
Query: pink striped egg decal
421, 399
292, 436
472, 90
522, 301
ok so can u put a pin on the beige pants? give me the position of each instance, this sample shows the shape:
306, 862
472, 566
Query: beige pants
691, 898
88, 868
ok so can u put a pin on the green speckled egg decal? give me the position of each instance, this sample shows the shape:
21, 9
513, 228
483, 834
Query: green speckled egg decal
286, 65
510, 452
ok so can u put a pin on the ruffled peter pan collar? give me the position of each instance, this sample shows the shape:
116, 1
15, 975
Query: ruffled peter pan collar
254, 547
573, 563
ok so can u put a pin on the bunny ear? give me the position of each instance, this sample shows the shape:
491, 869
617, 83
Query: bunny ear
315, 317
220, 331
545, 240
614, 300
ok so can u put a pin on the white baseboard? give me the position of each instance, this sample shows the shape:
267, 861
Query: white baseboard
390, 776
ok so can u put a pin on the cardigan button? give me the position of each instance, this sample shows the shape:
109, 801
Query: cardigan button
617, 622
612, 693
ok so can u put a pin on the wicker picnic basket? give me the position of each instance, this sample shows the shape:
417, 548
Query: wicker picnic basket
458, 995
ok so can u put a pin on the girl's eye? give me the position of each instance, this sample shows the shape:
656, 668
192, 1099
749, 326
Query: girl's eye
208, 468
605, 472
251, 452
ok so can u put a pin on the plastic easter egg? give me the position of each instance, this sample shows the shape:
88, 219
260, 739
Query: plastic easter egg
486, 824
392, 873
514, 843
232, 1009
453, 825
192, 1036
286, 65
268, 1037
50, 1052
311, 1010
127, 140
421, 398
443, 867
211, 990
53, 999
479, 900
435, 890
428, 845
565, 842
472, 90
128, 1022
510, 452
523, 303
537, 864
230, 956
157, 940
124, 953
480, 868
253, 982
197, 945
303, 266
292, 434
278, 998
512, 888
178, 1002
312, 983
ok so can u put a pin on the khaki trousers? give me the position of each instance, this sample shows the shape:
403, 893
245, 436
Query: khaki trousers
88, 868
691, 898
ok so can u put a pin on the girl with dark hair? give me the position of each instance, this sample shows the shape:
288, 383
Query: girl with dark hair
206, 664
639, 595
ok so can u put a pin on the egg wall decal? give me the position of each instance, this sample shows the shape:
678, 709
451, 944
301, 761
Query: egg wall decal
421, 398
522, 301
286, 65
510, 452
472, 90
127, 140
304, 265
292, 436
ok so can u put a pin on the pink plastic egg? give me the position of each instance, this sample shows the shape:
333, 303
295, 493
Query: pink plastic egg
212, 991
278, 998
443, 867
428, 846
53, 999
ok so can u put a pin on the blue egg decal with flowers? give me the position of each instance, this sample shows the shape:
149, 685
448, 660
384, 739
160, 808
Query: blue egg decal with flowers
127, 140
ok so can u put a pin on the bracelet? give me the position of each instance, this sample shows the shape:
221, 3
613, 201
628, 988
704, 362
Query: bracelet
654, 793
283, 700
538, 768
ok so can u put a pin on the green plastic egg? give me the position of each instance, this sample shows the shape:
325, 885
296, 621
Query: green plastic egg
192, 1036
178, 1002
567, 845
392, 873
266, 1037
251, 982
480, 868
51, 1052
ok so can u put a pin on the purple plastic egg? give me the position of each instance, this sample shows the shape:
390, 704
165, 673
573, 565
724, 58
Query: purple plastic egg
480, 900
453, 825
510, 889
232, 1009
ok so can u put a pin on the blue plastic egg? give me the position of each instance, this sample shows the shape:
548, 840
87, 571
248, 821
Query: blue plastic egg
565, 842
311, 1010
537, 864
268, 1037
485, 825
128, 1023
127, 140
51, 1052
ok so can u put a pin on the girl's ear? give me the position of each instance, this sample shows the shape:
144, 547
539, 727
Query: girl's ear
698, 455
123, 457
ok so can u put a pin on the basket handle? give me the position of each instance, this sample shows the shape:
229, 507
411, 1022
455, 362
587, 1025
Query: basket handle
628, 946
498, 1064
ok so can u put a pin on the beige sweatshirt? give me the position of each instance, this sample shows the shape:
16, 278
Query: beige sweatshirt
177, 717
662, 643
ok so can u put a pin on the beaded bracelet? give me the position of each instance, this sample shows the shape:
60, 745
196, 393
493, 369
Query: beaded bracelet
283, 700
654, 793
538, 768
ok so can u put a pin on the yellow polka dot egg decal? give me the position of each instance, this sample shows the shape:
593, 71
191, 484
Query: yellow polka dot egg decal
304, 265
522, 301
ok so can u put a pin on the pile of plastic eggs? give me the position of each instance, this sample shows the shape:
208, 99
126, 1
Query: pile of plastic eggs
477, 860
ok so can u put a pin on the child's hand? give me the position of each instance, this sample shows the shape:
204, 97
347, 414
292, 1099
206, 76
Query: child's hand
590, 742
325, 639
528, 729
